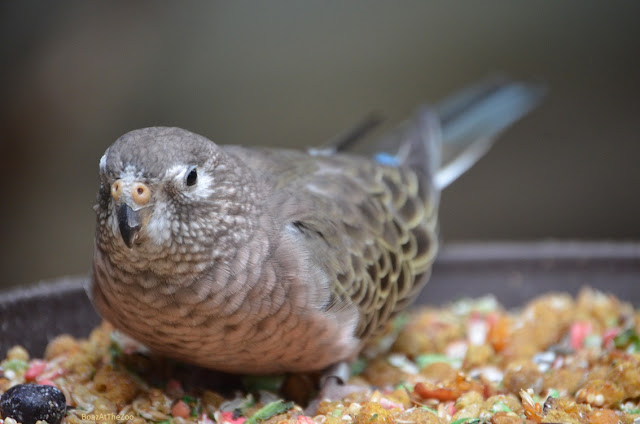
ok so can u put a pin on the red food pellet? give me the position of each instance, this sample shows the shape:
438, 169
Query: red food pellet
35, 369
227, 417
303, 419
578, 332
180, 409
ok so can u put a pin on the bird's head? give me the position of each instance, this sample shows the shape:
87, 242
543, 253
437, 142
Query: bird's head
170, 201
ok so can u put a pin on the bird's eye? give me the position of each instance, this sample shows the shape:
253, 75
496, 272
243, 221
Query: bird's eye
192, 176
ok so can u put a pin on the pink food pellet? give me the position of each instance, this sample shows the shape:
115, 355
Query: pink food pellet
227, 417
578, 332
180, 409
389, 404
303, 419
451, 408
36, 368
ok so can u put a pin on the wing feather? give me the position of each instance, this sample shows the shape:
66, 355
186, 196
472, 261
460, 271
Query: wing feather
371, 228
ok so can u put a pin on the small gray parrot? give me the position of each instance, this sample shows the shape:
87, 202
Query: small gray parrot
256, 260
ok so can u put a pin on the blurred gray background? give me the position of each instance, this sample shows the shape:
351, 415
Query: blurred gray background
77, 75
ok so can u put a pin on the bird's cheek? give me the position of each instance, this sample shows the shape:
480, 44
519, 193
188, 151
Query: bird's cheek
157, 227
146, 219
112, 222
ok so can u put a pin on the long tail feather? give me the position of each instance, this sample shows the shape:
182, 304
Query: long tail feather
473, 118
468, 122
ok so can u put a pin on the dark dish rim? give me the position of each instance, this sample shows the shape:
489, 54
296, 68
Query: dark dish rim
512, 272
550, 254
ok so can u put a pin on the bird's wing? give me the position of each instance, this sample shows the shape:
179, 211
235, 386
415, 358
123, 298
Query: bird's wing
370, 228
371, 224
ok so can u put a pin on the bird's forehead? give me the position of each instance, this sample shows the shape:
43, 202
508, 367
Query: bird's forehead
152, 152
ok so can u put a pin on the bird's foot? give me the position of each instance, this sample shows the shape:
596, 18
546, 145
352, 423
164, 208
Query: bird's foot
334, 386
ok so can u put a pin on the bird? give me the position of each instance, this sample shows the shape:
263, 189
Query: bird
259, 260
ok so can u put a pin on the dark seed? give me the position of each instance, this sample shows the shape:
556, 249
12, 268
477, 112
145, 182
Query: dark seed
28, 403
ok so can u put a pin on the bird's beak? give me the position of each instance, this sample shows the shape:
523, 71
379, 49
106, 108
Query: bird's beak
130, 223
129, 220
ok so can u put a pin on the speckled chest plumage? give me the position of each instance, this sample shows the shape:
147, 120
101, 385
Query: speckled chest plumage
246, 322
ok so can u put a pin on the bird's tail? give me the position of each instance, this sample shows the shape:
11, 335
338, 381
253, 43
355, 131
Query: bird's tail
472, 119
447, 139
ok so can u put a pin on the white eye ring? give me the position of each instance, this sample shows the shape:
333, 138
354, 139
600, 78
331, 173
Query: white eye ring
191, 176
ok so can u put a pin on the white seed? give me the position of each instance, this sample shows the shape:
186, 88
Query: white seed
599, 399
354, 408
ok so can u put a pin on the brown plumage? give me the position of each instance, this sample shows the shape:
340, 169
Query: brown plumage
265, 260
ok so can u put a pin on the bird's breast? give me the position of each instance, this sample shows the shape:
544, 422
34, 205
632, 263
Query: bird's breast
247, 317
